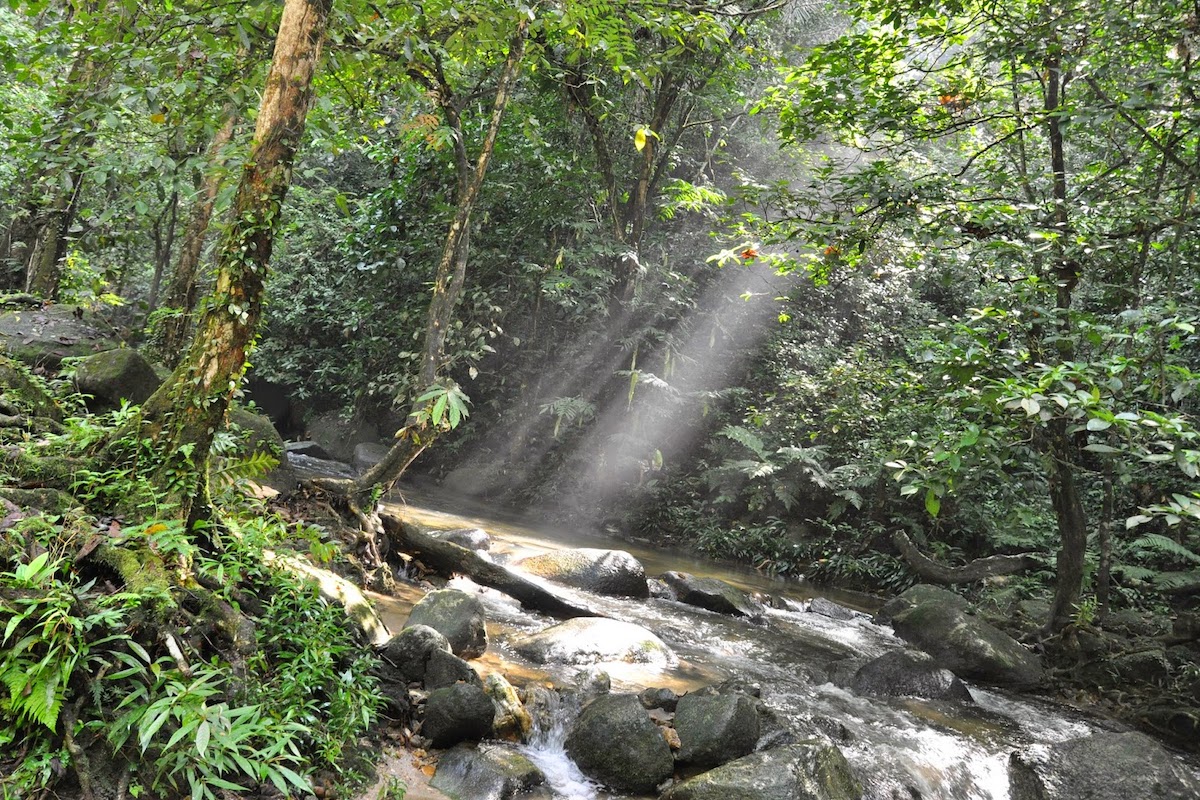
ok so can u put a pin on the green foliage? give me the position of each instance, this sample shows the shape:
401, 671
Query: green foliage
47, 636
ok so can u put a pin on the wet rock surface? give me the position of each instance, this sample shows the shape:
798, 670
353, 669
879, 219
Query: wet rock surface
615, 742
611, 572
712, 594
716, 728
802, 771
961, 642
587, 640
488, 771
907, 672
456, 615
458, 713
1105, 766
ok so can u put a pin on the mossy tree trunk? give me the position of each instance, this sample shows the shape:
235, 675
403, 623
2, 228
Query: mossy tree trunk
182, 416
181, 289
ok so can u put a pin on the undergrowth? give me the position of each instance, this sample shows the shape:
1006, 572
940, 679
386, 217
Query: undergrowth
141, 657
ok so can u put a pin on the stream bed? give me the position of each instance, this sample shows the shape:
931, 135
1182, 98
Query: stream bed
898, 748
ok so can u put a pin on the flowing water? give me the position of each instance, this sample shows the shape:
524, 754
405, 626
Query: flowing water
897, 747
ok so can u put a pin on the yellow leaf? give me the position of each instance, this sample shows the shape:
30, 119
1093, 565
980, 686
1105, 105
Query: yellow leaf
159, 118
157, 527
639, 139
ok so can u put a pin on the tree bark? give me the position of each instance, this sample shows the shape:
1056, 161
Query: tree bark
977, 570
182, 416
181, 290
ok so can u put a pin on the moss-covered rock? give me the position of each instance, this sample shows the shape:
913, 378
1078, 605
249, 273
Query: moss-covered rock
44, 336
808, 770
456, 615
485, 772
715, 728
112, 376
615, 742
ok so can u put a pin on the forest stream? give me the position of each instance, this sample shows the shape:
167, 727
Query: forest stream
897, 747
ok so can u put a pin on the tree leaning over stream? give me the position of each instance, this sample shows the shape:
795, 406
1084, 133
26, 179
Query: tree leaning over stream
182, 416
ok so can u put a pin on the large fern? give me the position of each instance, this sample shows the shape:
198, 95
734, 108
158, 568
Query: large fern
1157, 544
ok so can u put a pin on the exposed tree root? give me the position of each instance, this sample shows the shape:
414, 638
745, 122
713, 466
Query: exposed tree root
977, 570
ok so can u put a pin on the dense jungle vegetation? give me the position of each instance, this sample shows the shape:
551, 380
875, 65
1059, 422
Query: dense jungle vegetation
863, 293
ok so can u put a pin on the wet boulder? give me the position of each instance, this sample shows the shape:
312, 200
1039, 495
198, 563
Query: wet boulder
921, 594
615, 742
410, 650
611, 572
588, 640
339, 436
1104, 766
717, 728
967, 645
367, 455
809, 770
488, 771
458, 713
712, 594
907, 673
659, 697
446, 669
828, 608
470, 538
115, 375
456, 615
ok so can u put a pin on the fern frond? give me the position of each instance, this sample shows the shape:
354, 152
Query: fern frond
746, 438
1165, 545
229, 471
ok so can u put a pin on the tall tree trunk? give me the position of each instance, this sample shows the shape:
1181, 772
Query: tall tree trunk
184, 413
181, 290
450, 277
1061, 449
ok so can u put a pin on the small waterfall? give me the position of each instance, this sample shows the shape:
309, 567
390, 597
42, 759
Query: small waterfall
552, 713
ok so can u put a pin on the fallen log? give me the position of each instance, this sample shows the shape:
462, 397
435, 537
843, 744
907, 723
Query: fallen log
977, 570
449, 559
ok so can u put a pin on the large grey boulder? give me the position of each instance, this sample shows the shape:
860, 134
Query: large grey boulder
488, 771
115, 375
615, 742
410, 650
921, 594
965, 644
44, 336
907, 672
367, 455
588, 640
1104, 766
458, 713
715, 728
713, 594
446, 669
456, 615
257, 435
339, 436
612, 572
809, 770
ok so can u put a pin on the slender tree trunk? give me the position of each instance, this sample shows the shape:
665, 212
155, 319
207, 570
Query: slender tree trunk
449, 278
1062, 451
181, 290
184, 413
